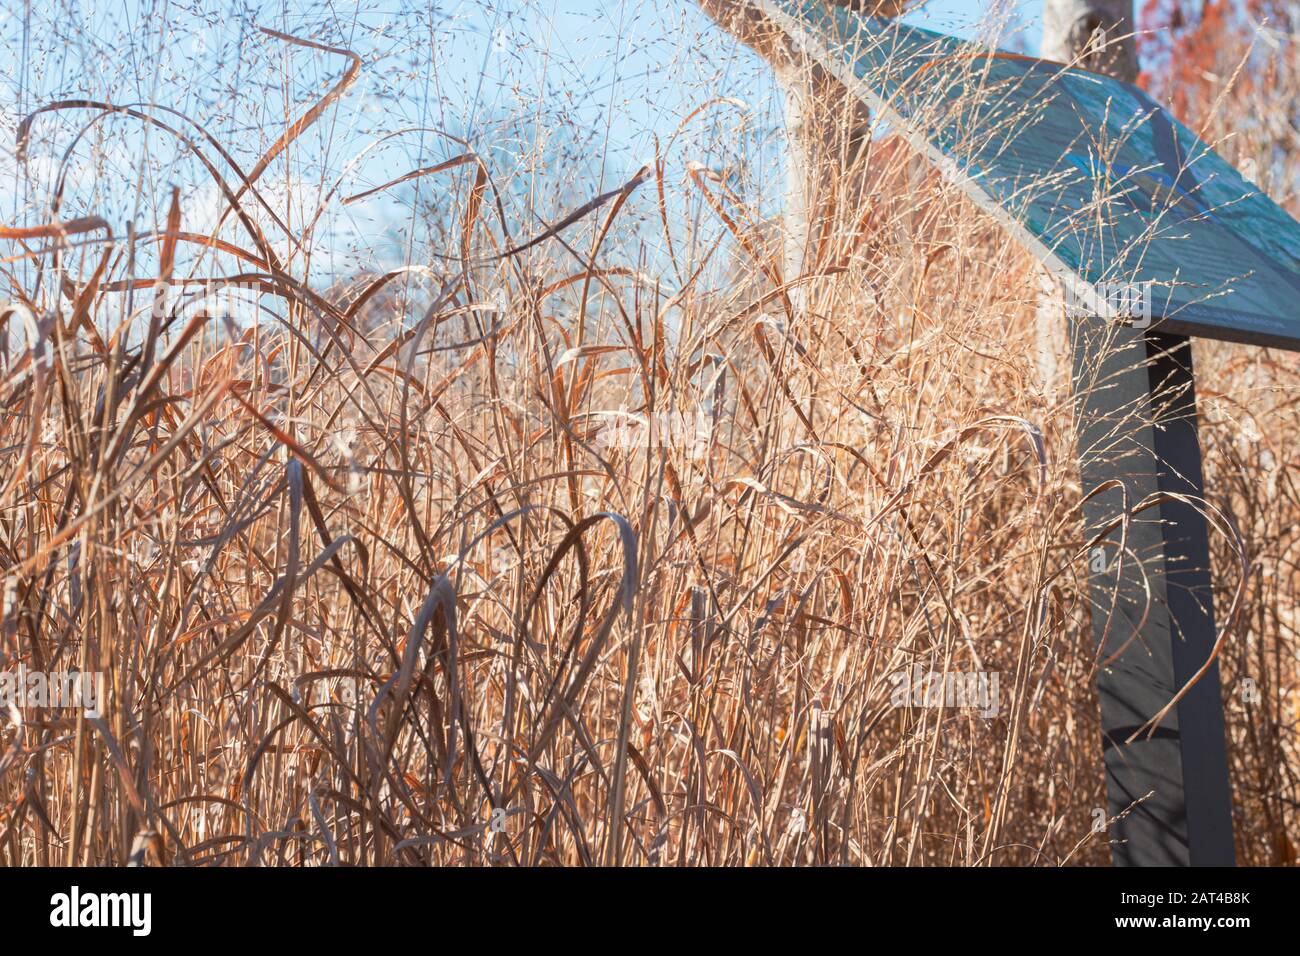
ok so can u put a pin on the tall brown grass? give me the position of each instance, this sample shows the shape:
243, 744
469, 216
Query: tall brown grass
374, 585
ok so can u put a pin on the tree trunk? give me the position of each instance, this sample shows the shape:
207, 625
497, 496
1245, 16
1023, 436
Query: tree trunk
1096, 35
802, 175
824, 129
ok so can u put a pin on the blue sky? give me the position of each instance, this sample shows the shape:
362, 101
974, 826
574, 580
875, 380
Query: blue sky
567, 97
635, 55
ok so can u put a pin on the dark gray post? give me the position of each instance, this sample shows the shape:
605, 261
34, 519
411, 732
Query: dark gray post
1137, 424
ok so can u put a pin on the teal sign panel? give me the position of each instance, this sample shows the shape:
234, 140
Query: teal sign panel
1131, 209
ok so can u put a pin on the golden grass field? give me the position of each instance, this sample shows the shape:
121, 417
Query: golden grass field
376, 585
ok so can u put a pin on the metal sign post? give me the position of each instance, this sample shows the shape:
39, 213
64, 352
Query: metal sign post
1108, 189
1152, 610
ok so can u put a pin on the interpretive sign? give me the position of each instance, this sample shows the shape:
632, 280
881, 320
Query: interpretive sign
1046, 149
